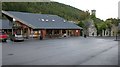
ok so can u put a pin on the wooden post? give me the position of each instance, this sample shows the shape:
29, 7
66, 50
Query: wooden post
60, 32
43, 33
67, 32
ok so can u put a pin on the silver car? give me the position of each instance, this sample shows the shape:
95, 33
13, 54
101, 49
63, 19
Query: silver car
17, 37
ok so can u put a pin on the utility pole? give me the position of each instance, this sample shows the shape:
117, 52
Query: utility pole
117, 29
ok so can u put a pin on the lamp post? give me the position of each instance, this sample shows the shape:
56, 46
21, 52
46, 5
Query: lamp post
116, 36
118, 31
13, 25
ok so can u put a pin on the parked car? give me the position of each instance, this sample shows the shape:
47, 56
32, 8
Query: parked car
17, 37
3, 36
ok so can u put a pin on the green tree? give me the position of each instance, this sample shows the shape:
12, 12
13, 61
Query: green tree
55, 8
81, 24
102, 26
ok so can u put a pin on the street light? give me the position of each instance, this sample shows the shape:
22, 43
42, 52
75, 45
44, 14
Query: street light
118, 30
13, 25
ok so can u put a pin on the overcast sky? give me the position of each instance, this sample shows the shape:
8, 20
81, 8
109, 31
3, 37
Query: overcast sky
104, 8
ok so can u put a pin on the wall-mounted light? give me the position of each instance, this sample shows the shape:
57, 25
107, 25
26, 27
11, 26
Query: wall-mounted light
14, 19
77, 31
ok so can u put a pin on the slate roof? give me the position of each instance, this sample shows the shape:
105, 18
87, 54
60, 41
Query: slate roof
4, 24
42, 21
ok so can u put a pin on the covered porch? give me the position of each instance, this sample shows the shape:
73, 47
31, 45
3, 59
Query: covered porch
54, 33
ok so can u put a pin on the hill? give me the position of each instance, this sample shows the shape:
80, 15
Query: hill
55, 8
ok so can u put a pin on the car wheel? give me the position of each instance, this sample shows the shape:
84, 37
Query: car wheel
11, 39
4, 40
21, 40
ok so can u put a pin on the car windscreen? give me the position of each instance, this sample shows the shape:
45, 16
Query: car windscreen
18, 33
2, 33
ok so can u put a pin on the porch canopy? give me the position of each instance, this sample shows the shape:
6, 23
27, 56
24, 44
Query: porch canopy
41, 21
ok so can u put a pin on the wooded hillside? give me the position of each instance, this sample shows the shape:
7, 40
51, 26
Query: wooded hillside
55, 8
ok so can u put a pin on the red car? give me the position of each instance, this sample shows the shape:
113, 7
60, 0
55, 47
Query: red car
3, 36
